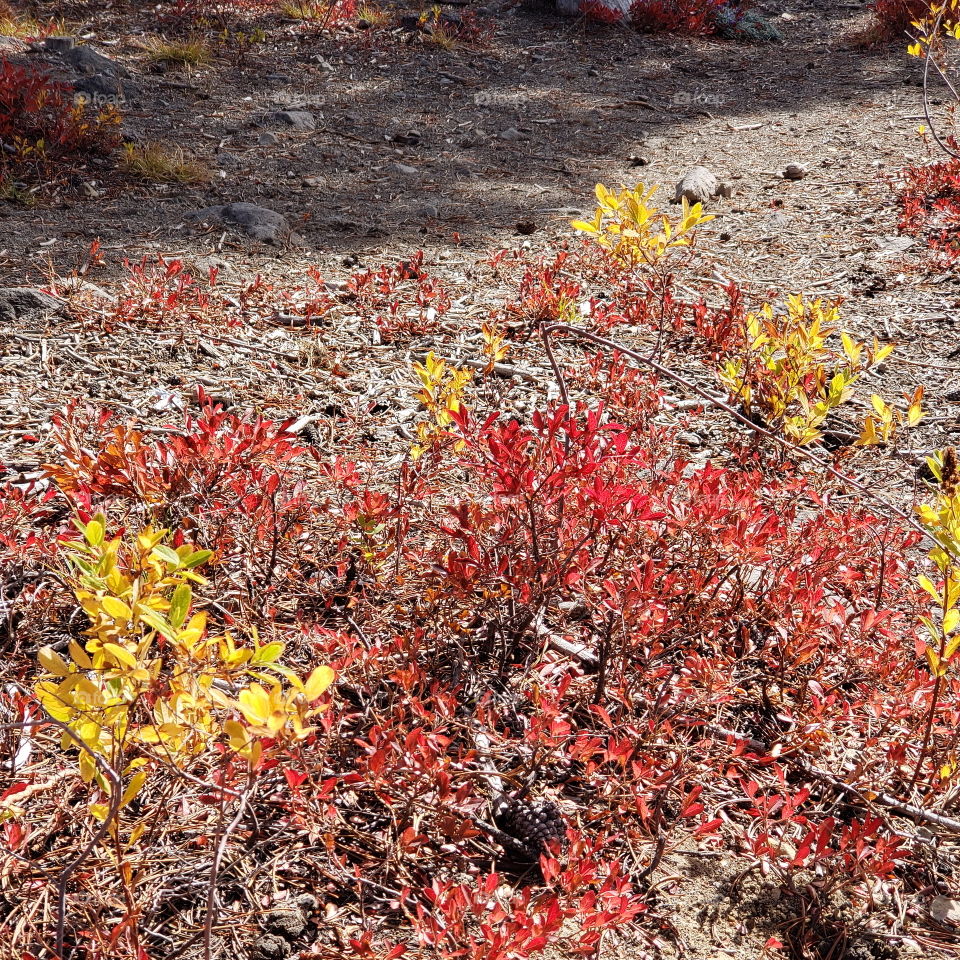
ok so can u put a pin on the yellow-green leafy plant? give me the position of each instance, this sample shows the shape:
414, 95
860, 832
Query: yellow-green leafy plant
147, 688
441, 394
939, 20
789, 378
941, 519
635, 231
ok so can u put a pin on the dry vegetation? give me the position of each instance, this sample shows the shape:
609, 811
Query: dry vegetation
511, 680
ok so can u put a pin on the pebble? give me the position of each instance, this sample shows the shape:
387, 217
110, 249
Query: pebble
697, 186
945, 910
794, 171
405, 168
511, 133
296, 119
268, 140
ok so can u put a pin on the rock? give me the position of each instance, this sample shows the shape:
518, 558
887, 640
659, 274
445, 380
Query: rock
697, 186
260, 223
891, 246
945, 910
269, 946
21, 302
268, 140
87, 60
405, 168
100, 88
59, 45
794, 171
297, 119
511, 133
288, 922
526, 227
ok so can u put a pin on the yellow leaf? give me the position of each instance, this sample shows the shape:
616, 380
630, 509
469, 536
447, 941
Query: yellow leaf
951, 621
52, 662
318, 682
133, 787
79, 655
93, 532
121, 654
116, 608
255, 703
930, 587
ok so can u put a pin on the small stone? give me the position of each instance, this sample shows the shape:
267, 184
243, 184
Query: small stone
794, 171
405, 168
268, 946
638, 160
511, 133
725, 190
697, 186
260, 223
526, 227
429, 211
59, 44
945, 910
296, 119
690, 439
18, 302
268, 140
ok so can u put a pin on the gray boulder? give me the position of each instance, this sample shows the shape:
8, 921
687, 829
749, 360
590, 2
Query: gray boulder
295, 119
87, 60
27, 302
262, 224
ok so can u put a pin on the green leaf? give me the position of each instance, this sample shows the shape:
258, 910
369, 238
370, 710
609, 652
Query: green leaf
268, 653
179, 605
167, 554
93, 532
195, 559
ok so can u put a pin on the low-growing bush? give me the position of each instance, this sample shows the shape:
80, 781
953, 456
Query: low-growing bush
44, 132
929, 197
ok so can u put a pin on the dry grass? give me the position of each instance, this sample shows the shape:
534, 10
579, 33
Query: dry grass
13, 24
306, 10
374, 16
159, 164
184, 53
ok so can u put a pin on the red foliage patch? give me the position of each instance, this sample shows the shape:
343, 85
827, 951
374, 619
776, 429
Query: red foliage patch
894, 17
930, 206
691, 17
41, 126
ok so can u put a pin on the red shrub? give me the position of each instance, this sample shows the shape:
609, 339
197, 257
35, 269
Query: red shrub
677, 16
894, 17
930, 206
41, 126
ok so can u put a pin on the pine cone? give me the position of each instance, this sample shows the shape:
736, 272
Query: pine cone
533, 824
